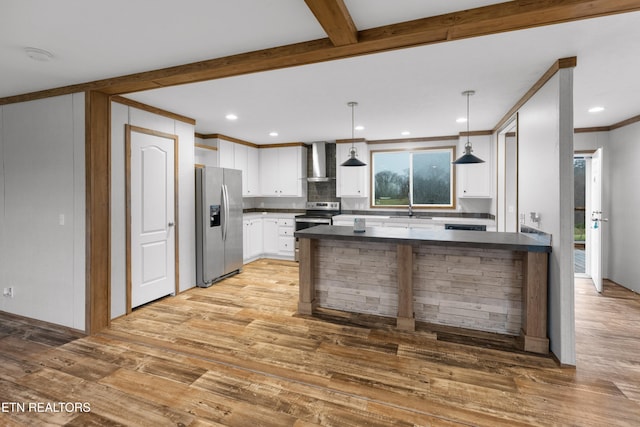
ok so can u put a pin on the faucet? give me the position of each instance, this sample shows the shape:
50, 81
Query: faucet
410, 206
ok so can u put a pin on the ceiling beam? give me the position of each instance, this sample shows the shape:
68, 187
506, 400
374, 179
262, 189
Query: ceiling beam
335, 19
509, 16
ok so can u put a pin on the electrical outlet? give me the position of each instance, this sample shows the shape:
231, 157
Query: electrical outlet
8, 292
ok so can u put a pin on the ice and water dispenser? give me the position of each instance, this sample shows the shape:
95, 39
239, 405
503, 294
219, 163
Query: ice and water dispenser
214, 215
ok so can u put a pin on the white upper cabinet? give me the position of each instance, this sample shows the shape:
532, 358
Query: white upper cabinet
475, 179
226, 154
351, 181
245, 158
253, 172
282, 170
240, 161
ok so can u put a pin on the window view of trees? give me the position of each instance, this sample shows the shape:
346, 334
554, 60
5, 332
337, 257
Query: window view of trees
432, 178
391, 175
425, 176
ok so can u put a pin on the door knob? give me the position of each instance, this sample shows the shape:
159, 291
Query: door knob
171, 224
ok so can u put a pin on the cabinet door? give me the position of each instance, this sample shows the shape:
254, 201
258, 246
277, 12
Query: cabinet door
282, 170
255, 238
269, 185
246, 230
270, 236
289, 171
253, 172
240, 161
476, 178
226, 154
351, 181
286, 245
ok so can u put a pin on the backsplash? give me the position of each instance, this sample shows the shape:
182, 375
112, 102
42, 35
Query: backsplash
323, 191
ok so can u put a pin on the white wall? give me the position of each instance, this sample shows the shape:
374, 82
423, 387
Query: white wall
624, 227
545, 167
121, 115
42, 209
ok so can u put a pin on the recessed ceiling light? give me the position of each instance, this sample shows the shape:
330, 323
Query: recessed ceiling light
231, 117
359, 127
461, 120
405, 133
38, 54
596, 109
273, 133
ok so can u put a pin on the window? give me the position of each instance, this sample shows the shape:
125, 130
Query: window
423, 177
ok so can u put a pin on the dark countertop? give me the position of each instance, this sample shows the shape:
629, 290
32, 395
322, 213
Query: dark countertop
470, 239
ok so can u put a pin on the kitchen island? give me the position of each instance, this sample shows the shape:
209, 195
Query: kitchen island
495, 282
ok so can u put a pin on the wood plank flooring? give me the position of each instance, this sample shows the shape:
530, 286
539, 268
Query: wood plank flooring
237, 354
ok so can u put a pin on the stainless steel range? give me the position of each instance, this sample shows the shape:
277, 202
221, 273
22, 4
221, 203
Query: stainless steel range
317, 213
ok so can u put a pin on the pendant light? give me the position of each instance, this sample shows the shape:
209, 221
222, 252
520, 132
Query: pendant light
468, 158
353, 159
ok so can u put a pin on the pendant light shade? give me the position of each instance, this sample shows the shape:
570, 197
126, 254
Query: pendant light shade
353, 155
467, 157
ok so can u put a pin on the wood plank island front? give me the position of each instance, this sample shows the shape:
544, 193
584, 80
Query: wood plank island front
495, 282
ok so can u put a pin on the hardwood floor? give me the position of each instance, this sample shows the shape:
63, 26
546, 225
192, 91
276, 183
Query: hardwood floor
237, 354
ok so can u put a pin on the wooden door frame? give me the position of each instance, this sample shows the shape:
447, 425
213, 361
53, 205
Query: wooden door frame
129, 129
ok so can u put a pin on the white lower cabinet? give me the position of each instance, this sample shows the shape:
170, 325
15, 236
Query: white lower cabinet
286, 240
252, 239
272, 238
245, 239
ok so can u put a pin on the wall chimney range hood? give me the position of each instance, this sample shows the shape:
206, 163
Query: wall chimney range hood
318, 163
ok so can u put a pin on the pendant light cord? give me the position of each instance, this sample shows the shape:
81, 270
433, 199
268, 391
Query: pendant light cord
353, 104
468, 95
353, 122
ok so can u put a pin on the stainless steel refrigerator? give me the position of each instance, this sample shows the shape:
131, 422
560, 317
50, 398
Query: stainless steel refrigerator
218, 224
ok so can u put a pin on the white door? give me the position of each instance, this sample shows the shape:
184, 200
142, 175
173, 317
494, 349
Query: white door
152, 216
596, 219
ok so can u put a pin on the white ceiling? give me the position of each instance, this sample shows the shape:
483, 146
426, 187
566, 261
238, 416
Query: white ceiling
413, 89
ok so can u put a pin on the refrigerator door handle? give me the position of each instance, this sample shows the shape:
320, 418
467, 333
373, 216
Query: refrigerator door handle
225, 200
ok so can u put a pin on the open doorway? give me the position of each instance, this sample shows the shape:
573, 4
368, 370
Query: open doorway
588, 216
579, 213
507, 179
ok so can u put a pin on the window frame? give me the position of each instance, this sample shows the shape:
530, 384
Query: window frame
411, 151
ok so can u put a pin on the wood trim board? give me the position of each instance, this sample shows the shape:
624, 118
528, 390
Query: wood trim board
206, 147
335, 19
151, 109
228, 138
98, 211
